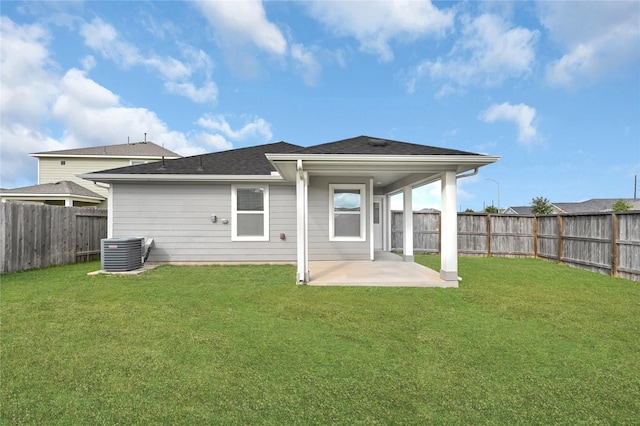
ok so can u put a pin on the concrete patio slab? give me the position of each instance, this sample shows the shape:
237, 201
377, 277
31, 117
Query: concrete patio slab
146, 267
387, 270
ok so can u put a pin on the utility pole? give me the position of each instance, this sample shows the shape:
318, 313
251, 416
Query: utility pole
493, 180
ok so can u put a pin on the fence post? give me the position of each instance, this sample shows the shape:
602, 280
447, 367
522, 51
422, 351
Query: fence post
615, 237
488, 226
535, 236
559, 239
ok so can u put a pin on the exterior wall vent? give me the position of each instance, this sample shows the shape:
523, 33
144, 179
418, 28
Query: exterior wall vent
122, 254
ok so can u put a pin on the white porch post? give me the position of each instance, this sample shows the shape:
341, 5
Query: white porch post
301, 228
371, 233
387, 223
449, 236
407, 218
68, 202
110, 203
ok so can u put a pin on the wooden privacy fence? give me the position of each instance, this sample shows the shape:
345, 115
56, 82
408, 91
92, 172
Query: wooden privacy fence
608, 243
38, 235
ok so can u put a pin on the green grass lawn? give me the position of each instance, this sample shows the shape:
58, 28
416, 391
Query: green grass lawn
522, 341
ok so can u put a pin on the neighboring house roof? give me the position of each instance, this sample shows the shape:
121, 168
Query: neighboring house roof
366, 145
60, 189
518, 210
242, 161
594, 205
137, 149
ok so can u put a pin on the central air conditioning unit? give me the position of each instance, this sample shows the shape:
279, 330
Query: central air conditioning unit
122, 254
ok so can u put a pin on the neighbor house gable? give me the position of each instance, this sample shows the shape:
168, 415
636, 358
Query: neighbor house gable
143, 150
66, 164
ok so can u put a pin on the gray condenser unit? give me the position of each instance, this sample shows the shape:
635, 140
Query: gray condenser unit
122, 254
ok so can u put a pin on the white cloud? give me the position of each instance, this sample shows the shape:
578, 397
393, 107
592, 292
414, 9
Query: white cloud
35, 96
257, 129
375, 24
104, 38
489, 51
206, 93
28, 86
307, 63
92, 115
243, 21
215, 142
88, 62
522, 115
600, 38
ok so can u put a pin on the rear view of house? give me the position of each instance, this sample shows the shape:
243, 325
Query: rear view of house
285, 203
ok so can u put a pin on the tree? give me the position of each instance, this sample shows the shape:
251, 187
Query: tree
468, 210
541, 205
491, 209
621, 206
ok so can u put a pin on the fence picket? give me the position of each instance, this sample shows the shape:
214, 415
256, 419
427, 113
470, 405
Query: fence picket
39, 235
601, 242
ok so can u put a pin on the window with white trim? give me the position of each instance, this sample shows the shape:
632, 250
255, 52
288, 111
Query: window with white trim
250, 213
347, 212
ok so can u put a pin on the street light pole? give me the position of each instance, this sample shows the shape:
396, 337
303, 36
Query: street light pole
493, 180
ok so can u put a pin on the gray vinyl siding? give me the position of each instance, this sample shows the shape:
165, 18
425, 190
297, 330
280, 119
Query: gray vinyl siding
178, 217
320, 247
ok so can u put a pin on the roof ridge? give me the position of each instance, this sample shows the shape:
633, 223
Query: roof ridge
154, 150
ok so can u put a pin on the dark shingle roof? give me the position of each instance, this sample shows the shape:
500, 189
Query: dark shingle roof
252, 160
367, 145
64, 187
137, 149
242, 161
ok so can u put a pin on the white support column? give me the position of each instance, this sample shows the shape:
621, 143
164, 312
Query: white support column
407, 218
449, 217
387, 223
306, 227
68, 202
370, 208
110, 204
301, 225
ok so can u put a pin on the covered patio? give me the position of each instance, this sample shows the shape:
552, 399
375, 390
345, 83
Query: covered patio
387, 270
371, 170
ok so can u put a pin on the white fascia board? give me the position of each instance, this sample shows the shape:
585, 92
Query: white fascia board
125, 157
408, 163
36, 197
310, 159
115, 177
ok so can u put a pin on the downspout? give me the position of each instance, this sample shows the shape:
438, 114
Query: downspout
473, 173
300, 169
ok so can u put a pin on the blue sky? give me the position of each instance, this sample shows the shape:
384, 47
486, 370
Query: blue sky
551, 87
